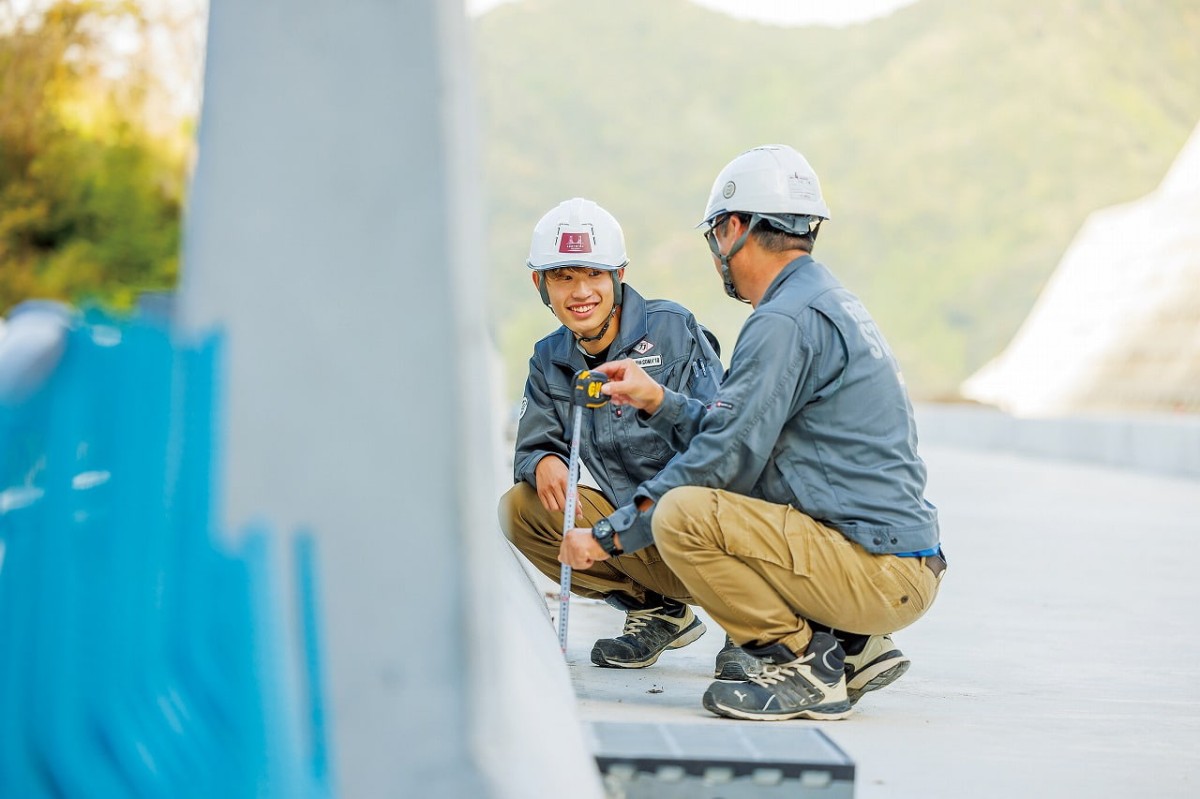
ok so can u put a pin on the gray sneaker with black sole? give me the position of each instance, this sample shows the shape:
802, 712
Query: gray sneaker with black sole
808, 686
647, 634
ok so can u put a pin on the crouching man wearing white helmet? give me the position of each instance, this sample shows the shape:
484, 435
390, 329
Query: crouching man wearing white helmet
577, 257
794, 512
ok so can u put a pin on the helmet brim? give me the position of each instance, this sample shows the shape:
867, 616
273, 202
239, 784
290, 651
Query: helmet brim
575, 262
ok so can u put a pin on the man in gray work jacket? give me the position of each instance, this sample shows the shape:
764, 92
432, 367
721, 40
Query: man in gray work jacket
795, 512
578, 260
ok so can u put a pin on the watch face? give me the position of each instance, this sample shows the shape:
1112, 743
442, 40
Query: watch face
602, 531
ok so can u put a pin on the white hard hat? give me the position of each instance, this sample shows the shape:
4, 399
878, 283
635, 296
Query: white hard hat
773, 180
577, 232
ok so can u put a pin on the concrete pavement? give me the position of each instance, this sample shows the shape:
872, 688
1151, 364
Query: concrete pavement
1061, 659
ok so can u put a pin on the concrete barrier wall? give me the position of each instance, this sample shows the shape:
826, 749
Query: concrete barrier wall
334, 233
1167, 444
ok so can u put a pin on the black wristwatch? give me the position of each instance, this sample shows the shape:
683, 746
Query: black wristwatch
602, 531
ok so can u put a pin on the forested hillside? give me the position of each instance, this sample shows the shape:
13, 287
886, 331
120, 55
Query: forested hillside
960, 146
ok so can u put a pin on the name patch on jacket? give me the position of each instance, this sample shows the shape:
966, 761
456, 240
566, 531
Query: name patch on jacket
719, 405
649, 360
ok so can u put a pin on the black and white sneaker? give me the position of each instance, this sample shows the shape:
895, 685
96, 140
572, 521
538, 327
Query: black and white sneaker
876, 664
735, 663
809, 687
647, 634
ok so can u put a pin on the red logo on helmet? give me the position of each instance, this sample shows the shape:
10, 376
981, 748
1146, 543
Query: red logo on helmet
575, 242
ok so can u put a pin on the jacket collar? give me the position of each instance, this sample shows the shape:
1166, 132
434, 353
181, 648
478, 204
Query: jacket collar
784, 274
803, 277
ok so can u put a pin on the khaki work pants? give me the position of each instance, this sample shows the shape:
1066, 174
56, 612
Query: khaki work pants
537, 533
763, 571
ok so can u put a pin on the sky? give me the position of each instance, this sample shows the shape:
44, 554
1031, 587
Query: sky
776, 12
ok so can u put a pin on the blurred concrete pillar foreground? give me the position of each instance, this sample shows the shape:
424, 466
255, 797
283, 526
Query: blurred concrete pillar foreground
334, 235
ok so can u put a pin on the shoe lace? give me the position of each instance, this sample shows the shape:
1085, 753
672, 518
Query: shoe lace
773, 673
634, 622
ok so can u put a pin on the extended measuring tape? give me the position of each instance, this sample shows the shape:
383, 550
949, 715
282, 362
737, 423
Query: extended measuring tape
587, 394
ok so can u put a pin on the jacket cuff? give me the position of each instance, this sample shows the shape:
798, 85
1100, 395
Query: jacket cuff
667, 416
632, 527
527, 470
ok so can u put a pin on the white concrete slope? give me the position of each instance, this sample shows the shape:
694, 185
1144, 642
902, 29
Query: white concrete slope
1117, 327
1062, 658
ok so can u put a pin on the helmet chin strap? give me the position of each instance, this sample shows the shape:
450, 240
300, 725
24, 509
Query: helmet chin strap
726, 274
603, 330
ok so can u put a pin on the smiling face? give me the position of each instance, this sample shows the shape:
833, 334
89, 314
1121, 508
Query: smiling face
581, 297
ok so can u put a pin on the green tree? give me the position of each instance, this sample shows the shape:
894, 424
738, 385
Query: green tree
90, 199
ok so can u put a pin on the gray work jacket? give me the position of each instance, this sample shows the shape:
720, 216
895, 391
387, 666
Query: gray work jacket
673, 348
813, 413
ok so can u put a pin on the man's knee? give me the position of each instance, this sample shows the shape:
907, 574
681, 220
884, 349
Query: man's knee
515, 509
677, 515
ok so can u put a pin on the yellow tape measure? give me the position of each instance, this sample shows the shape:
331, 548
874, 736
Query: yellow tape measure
587, 389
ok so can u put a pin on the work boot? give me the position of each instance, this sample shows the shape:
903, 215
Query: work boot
648, 631
735, 663
872, 662
812, 686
